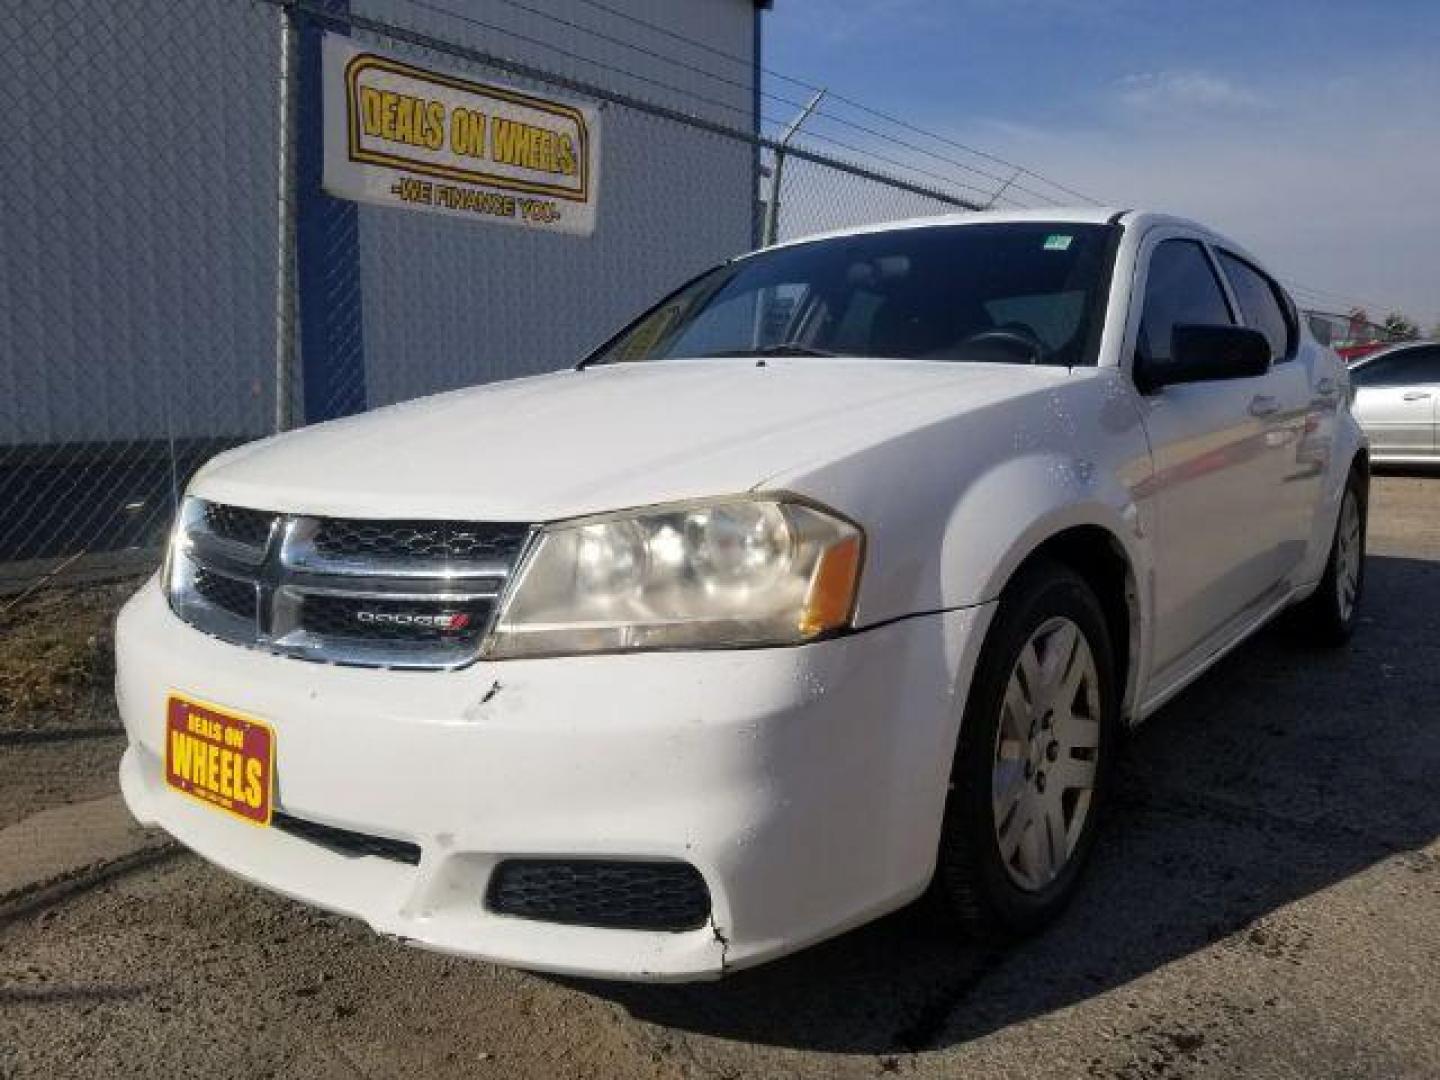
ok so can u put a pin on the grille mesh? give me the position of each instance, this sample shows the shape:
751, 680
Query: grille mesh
238, 524
438, 541
616, 895
227, 593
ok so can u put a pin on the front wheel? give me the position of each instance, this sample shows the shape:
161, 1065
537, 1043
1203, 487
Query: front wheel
1033, 762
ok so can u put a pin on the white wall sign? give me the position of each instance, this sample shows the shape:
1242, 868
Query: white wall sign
400, 135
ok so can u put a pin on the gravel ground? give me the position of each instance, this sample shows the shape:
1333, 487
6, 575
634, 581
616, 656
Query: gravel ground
1266, 902
39, 774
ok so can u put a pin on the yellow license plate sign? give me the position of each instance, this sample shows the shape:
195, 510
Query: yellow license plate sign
221, 757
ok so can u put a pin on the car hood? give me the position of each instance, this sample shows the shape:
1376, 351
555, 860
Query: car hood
605, 438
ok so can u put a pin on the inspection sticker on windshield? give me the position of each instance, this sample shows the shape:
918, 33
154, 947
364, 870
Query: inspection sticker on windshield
1058, 242
220, 757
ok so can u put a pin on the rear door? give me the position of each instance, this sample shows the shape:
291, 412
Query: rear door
1396, 399
1289, 407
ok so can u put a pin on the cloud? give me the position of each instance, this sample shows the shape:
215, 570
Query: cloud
1330, 178
1169, 90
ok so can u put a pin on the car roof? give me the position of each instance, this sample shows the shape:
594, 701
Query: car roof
1392, 349
1066, 215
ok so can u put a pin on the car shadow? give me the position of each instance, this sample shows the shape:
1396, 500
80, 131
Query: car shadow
1284, 770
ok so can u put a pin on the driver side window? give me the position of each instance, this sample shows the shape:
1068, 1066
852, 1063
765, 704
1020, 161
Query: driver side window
1180, 287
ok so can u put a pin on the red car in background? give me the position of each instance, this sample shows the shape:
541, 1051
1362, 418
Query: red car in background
1357, 350
1351, 337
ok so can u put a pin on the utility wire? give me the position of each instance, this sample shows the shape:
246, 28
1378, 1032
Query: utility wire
478, 23
861, 106
779, 98
1332, 297
586, 88
821, 114
431, 5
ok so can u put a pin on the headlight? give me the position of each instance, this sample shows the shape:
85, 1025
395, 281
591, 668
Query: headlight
760, 571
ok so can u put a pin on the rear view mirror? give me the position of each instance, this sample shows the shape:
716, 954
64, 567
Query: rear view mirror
1202, 352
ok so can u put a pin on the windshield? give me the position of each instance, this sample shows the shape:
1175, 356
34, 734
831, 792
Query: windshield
1009, 293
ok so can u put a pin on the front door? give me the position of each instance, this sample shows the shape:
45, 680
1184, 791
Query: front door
1214, 486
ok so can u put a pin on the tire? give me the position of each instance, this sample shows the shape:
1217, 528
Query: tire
1328, 615
990, 881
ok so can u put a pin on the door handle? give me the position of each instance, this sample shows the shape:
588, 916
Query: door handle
1325, 386
1263, 405
1415, 395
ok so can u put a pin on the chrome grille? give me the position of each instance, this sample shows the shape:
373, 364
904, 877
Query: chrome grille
411, 594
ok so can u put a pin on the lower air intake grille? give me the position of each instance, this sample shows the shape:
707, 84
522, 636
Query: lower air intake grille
345, 842
615, 895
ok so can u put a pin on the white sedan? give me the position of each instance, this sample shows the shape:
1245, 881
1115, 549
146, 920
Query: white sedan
831, 579
1397, 402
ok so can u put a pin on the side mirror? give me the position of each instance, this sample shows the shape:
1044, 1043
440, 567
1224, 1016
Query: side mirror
1202, 352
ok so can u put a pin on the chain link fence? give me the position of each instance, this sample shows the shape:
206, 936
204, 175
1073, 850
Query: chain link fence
175, 281
122, 272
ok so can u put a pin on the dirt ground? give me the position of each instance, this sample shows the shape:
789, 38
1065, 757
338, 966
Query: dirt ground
60, 737
57, 658
1265, 902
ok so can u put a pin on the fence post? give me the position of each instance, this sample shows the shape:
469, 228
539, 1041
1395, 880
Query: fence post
285, 222
772, 208
1003, 188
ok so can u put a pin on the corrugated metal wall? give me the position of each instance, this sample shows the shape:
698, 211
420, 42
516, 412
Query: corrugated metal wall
449, 304
138, 234
137, 237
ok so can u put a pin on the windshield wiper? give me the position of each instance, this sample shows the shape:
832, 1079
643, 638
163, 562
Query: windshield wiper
788, 348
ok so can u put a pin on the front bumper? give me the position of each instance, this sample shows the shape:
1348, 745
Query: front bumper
805, 784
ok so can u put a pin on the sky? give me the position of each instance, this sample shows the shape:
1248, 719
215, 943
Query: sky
1308, 131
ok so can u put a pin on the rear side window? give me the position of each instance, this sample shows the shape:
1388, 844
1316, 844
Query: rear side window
1181, 287
1260, 304
1409, 368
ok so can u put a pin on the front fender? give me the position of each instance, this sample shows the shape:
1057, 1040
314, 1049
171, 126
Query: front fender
950, 509
1042, 496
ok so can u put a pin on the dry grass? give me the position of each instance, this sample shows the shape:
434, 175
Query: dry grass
57, 659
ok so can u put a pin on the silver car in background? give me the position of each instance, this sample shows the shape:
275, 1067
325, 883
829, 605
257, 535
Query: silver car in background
1397, 401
